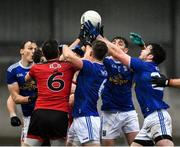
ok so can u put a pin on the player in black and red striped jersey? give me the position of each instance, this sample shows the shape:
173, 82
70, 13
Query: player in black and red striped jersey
54, 79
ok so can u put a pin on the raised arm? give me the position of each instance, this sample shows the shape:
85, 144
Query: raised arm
115, 51
71, 57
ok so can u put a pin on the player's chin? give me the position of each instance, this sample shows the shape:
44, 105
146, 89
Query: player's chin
30, 61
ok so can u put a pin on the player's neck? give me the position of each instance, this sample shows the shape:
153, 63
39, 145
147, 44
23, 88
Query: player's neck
96, 60
25, 63
52, 60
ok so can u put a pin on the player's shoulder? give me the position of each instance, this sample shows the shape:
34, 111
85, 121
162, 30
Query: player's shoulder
86, 61
110, 59
65, 64
13, 66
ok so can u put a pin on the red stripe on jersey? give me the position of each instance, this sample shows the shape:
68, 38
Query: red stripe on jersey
35, 137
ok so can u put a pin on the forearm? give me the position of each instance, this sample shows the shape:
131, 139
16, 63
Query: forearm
174, 83
11, 106
67, 53
18, 99
115, 51
88, 51
15, 94
111, 50
76, 42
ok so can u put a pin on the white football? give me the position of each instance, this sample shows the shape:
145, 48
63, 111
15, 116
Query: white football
91, 15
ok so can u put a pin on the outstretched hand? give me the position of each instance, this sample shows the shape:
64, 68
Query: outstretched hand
137, 39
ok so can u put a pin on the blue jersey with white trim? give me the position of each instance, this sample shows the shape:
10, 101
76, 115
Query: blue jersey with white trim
149, 98
117, 94
89, 81
16, 74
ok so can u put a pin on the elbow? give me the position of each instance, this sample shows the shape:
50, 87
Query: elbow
65, 56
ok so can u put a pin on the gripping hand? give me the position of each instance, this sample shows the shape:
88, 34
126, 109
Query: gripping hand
15, 121
91, 30
137, 39
32, 98
161, 81
82, 33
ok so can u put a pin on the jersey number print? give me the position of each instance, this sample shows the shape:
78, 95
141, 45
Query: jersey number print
55, 83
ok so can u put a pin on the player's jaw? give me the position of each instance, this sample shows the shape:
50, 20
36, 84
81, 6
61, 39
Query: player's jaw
145, 53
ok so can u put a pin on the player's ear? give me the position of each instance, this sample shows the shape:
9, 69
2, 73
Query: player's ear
21, 51
150, 56
91, 53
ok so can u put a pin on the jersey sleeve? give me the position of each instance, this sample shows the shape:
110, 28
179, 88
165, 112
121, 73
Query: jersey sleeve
11, 76
137, 64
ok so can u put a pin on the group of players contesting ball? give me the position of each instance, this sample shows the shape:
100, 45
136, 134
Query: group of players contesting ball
58, 87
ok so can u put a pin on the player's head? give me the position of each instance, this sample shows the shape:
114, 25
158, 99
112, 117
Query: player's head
50, 49
121, 42
100, 50
153, 52
27, 50
38, 56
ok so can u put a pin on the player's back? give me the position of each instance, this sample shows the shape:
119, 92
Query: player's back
54, 84
89, 81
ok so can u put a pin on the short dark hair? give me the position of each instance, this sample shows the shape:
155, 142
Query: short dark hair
100, 49
50, 49
158, 52
122, 38
24, 42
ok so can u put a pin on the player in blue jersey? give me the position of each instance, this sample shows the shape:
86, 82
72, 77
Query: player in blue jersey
157, 126
118, 112
11, 105
22, 92
86, 120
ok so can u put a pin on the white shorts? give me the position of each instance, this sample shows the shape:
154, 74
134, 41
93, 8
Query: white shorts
156, 124
26, 122
113, 124
84, 129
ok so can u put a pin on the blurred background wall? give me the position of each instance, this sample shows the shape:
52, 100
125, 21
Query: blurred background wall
155, 20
